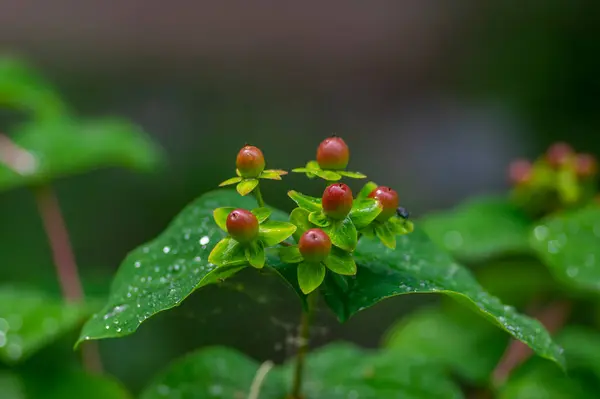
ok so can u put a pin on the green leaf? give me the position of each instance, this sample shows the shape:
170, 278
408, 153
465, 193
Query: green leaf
480, 229
385, 234
352, 175
309, 203
319, 219
312, 166
456, 339
327, 175
274, 232
261, 214
228, 252
213, 373
310, 276
418, 266
569, 244
290, 254
399, 226
299, 217
255, 254
300, 170
30, 320
228, 182
341, 262
220, 215
366, 190
273, 174
21, 87
162, 273
72, 384
57, 148
364, 211
246, 186
11, 386
343, 234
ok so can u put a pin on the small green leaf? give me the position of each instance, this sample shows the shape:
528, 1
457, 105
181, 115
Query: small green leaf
312, 166
366, 190
309, 203
261, 214
30, 320
418, 266
273, 174
300, 170
352, 175
228, 182
343, 234
299, 217
480, 229
220, 215
246, 186
273, 232
290, 255
341, 262
364, 211
60, 383
399, 226
310, 276
255, 254
213, 373
569, 244
328, 175
228, 252
385, 234
319, 219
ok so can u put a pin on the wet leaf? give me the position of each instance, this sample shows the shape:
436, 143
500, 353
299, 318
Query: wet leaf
327, 175
162, 273
228, 252
273, 232
385, 234
352, 175
366, 190
307, 202
30, 320
569, 244
261, 214
290, 254
418, 266
310, 276
480, 229
299, 217
341, 262
246, 186
364, 211
230, 181
319, 219
60, 148
72, 384
255, 253
221, 214
343, 234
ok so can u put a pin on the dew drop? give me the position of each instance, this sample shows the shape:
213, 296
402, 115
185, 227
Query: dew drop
541, 232
166, 250
137, 264
204, 240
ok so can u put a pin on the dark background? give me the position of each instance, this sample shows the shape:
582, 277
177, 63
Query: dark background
433, 97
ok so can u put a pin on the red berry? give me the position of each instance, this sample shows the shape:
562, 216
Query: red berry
333, 154
587, 165
558, 154
519, 171
250, 161
388, 199
337, 201
314, 245
242, 225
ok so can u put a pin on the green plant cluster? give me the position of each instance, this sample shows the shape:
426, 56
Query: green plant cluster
342, 251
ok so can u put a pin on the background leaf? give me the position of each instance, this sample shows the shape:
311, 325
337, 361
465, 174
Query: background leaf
11, 386
418, 266
569, 244
30, 320
480, 229
66, 147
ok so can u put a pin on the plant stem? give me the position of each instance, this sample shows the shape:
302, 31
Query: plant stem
259, 378
259, 197
303, 344
64, 260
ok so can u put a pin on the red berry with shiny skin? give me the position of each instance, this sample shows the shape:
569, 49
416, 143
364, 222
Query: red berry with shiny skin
559, 154
587, 165
250, 161
314, 245
337, 201
388, 199
333, 153
242, 225
519, 171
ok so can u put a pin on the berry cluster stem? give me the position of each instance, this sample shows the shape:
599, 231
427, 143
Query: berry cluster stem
64, 260
259, 197
303, 344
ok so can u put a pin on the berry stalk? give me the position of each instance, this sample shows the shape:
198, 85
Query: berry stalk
303, 345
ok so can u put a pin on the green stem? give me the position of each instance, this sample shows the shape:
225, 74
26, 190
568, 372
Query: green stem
259, 197
303, 344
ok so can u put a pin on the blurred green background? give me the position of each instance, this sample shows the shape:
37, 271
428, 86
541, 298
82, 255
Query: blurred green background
434, 98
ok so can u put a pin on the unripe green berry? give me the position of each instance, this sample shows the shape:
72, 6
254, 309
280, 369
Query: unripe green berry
337, 201
250, 161
559, 154
333, 153
314, 245
242, 225
587, 165
519, 171
388, 199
